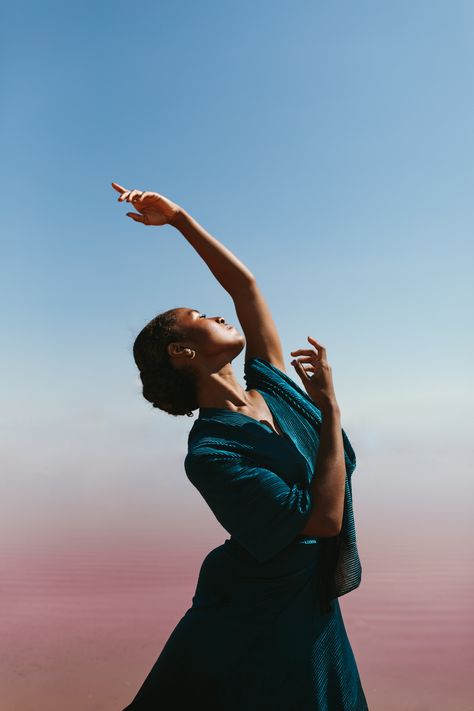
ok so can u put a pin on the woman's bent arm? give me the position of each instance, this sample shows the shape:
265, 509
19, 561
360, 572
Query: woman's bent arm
328, 484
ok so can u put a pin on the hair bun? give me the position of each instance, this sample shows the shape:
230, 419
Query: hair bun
164, 386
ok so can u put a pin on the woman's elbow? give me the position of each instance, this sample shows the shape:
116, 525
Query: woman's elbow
321, 528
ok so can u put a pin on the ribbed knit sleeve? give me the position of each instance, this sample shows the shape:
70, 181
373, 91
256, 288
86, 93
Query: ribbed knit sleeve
260, 510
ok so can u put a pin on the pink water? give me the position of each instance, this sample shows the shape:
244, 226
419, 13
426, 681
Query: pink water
100, 552
81, 628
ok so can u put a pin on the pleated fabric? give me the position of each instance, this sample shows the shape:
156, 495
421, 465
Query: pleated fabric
264, 631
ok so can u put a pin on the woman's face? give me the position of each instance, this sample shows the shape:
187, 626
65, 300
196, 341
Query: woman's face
209, 336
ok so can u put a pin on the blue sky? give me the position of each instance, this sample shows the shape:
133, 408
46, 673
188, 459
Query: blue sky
328, 145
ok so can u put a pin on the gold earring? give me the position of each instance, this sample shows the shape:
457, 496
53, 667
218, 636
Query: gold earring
193, 353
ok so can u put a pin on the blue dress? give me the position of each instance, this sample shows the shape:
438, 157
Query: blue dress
264, 631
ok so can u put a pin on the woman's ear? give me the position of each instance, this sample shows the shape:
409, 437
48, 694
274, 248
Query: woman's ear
178, 350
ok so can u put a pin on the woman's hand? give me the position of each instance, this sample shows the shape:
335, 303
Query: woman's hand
155, 209
319, 386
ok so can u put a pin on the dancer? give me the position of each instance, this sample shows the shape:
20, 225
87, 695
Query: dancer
264, 631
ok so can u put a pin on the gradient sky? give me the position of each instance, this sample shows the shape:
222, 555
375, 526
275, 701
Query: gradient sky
328, 145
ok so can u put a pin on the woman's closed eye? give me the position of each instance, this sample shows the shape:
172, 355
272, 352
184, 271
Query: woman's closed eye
203, 316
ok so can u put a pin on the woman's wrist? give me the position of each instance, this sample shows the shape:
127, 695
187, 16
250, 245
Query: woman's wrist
330, 408
179, 219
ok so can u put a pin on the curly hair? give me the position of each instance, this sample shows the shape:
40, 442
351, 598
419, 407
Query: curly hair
164, 386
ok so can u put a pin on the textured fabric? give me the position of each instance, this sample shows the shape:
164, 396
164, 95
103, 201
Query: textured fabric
259, 497
264, 631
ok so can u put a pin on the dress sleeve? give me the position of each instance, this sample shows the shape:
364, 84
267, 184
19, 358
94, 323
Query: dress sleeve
256, 506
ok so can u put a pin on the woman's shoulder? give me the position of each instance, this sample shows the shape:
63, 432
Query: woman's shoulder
260, 373
258, 366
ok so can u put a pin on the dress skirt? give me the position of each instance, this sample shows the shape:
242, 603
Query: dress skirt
255, 639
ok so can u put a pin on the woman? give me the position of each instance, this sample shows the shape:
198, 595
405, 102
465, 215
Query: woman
265, 630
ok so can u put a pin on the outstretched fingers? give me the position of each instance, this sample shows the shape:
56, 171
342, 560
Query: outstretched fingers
309, 358
134, 195
129, 195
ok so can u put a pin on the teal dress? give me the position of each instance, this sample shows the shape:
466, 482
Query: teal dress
264, 631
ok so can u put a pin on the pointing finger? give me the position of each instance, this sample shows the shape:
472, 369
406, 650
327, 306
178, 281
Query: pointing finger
118, 187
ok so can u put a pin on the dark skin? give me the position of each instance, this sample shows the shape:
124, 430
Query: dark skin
261, 335
211, 347
215, 344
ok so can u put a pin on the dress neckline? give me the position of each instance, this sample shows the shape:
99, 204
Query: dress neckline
227, 415
234, 413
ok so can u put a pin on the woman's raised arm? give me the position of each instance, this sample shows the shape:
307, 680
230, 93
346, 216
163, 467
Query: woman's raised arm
254, 315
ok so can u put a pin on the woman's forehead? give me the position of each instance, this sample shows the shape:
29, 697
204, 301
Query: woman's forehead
186, 311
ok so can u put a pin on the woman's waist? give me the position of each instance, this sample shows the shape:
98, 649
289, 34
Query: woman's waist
301, 551
231, 566
298, 540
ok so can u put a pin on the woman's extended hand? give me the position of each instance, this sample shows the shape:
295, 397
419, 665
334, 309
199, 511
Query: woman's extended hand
155, 209
319, 386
